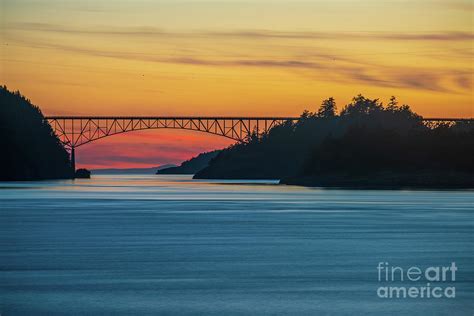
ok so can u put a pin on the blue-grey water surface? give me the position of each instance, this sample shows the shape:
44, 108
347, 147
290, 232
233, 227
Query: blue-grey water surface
169, 245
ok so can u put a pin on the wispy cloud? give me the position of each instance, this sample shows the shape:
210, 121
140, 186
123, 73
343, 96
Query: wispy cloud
457, 5
146, 31
302, 58
440, 36
417, 78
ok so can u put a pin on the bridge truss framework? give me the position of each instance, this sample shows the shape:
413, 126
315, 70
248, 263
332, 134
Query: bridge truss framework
75, 131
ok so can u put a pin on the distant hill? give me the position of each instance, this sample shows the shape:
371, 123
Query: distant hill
29, 150
151, 170
192, 165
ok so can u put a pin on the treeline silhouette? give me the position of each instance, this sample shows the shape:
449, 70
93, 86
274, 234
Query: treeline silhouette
29, 148
367, 144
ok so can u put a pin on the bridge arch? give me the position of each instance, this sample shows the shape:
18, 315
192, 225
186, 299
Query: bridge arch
77, 131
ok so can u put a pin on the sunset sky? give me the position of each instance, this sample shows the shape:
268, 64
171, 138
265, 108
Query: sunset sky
230, 57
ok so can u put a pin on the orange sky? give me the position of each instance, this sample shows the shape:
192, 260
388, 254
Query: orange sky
235, 57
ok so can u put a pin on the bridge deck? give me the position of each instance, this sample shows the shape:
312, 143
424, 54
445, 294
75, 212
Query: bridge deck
293, 118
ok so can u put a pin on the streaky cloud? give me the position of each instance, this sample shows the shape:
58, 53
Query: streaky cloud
147, 31
457, 5
417, 78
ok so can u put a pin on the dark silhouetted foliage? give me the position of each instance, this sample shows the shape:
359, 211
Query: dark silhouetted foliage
29, 148
328, 108
192, 165
367, 143
82, 174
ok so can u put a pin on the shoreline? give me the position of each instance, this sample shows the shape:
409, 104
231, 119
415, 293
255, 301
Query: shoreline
387, 181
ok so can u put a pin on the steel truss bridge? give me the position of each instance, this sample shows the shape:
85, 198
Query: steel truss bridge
75, 131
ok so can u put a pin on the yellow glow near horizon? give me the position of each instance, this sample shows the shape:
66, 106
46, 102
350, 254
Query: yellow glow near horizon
232, 57
236, 57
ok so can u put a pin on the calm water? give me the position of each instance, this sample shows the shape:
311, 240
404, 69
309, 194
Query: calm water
149, 245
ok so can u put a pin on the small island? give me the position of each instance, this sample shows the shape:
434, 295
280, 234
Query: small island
82, 174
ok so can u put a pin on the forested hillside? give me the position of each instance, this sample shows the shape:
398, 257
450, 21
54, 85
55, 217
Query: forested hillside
192, 165
29, 148
366, 144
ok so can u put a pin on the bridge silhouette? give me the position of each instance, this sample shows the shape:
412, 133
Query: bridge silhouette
75, 131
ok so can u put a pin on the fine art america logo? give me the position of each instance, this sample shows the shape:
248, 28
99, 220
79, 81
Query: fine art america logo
436, 281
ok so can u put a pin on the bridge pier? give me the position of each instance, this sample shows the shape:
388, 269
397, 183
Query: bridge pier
73, 161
